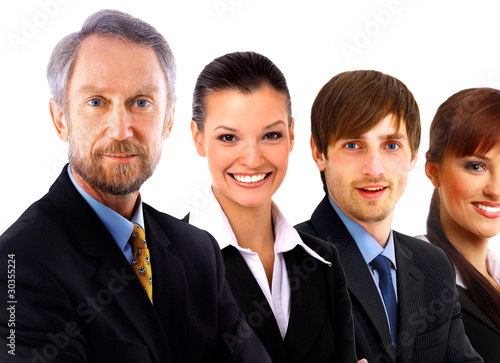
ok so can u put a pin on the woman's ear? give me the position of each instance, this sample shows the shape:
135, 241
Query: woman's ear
198, 139
291, 132
432, 172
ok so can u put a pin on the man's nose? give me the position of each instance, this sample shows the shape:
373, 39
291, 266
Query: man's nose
373, 165
120, 123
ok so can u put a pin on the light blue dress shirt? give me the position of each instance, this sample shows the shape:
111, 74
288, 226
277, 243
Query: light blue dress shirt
370, 248
119, 227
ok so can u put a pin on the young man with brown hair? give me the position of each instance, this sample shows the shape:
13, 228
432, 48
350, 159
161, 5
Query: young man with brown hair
365, 138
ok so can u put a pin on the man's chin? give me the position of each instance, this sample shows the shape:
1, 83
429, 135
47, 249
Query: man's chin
371, 215
119, 189
119, 184
114, 179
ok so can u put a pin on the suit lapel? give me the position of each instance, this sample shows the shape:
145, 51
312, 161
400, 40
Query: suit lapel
169, 286
410, 282
307, 303
253, 303
135, 305
117, 279
468, 305
360, 281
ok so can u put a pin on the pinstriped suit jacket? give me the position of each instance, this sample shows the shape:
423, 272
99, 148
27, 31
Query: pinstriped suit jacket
430, 329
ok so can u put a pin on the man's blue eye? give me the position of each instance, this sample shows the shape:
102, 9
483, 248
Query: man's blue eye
392, 146
142, 103
94, 102
351, 145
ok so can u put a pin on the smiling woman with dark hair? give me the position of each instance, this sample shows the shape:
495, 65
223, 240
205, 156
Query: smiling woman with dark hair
463, 163
289, 285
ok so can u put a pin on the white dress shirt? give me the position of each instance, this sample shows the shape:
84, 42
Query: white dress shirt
212, 219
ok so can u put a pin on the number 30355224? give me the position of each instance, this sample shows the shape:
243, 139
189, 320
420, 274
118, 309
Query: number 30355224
11, 274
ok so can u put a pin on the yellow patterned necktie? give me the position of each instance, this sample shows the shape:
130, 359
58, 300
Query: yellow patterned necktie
141, 262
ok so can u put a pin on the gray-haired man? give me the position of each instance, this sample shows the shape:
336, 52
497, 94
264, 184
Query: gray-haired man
69, 263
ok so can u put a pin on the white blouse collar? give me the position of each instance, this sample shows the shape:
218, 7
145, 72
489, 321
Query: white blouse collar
213, 219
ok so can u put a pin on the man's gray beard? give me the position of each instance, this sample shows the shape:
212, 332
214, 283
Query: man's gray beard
121, 179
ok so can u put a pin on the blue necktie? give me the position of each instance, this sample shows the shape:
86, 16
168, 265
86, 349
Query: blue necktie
383, 266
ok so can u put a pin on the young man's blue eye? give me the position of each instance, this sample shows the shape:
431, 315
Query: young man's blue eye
351, 145
392, 146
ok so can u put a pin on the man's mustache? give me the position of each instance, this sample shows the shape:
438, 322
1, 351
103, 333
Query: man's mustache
122, 147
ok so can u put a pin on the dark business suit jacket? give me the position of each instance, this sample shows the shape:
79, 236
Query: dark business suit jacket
320, 328
78, 299
483, 334
429, 326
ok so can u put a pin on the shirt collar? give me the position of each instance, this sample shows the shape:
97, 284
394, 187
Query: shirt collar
287, 237
119, 227
213, 219
492, 266
368, 246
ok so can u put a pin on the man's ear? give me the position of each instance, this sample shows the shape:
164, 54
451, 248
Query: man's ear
291, 132
59, 120
169, 123
432, 172
413, 162
318, 156
198, 139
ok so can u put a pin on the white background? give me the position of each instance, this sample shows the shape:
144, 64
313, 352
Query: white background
435, 47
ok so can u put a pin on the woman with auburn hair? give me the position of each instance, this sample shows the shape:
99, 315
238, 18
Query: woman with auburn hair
290, 286
463, 164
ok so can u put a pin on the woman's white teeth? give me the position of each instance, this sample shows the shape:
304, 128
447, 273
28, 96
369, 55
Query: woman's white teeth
249, 179
487, 209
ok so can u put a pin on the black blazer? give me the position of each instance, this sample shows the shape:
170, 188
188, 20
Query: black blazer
429, 326
320, 328
483, 334
78, 299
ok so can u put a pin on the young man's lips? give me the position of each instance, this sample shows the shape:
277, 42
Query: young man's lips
372, 191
